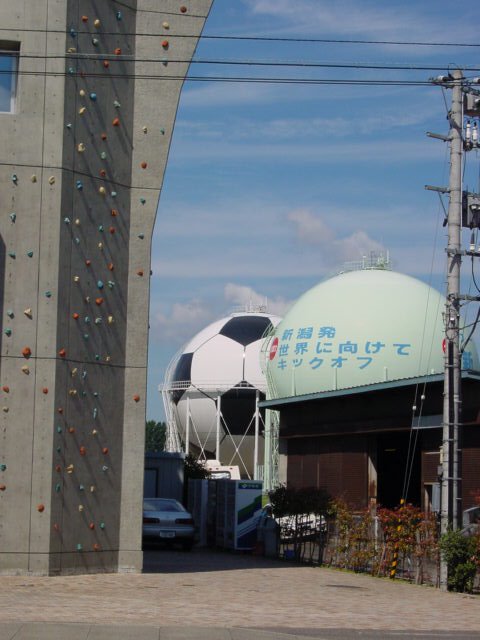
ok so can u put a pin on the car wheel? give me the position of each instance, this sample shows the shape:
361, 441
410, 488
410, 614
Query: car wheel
187, 546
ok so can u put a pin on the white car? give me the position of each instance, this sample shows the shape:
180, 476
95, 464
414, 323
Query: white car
166, 520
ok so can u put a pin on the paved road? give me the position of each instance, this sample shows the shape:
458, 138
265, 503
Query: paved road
220, 596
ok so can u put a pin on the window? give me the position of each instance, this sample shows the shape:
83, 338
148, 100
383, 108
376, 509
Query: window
8, 75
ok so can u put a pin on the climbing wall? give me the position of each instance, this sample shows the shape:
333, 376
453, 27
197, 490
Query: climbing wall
80, 175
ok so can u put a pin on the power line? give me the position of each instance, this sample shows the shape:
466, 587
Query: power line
248, 63
406, 43
240, 79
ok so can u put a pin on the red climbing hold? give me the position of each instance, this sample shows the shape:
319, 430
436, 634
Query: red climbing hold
183, 9
26, 352
40, 507
99, 301
116, 122
62, 353
136, 397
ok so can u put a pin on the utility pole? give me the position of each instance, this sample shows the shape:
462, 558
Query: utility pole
461, 213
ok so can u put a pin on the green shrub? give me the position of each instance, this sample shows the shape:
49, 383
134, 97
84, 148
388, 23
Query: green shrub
459, 553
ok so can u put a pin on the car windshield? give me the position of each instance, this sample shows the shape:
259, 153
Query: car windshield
162, 504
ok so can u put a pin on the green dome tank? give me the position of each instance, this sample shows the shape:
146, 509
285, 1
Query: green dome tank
359, 328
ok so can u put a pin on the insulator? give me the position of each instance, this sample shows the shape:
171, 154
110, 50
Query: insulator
475, 134
468, 132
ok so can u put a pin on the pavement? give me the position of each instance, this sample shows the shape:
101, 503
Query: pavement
208, 595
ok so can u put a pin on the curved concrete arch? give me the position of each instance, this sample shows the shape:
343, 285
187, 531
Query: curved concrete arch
81, 169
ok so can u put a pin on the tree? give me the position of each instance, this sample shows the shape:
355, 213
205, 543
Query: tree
155, 434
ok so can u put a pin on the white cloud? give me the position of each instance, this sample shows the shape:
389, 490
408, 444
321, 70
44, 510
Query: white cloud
334, 249
246, 297
181, 322
376, 20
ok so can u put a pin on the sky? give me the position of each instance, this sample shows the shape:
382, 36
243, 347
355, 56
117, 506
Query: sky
271, 187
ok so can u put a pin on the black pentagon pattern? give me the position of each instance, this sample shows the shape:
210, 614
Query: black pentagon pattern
182, 373
246, 329
238, 410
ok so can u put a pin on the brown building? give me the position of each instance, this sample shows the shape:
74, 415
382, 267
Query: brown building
377, 443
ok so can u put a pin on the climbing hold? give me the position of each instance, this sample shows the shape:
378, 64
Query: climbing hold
107, 358
84, 18
111, 229
94, 432
86, 336
105, 451
165, 44
33, 178
75, 316
73, 33
81, 147
165, 62
79, 547
68, 125
92, 488
103, 173
10, 313
58, 468
141, 236
113, 194
2, 487
103, 136
26, 352
76, 240
110, 284
104, 468
162, 131
83, 451
101, 228
96, 546
97, 357
98, 301
8, 332
30, 254
110, 320
6, 409
14, 178
48, 294
166, 25
82, 93
26, 369
95, 412
82, 110
66, 220
96, 23
136, 398
116, 104
114, 213
12, 254
88, 262
79, 185
102, 525
71, 71
116, 122
3, 467
91, 525
93, 97
183, 9
6, 389
45, 390
119, 15
118, 51
60, 409
106, 64
59, 430
95, 41
62, 353
69, 469
81, 507
76, 278
56, 526
51, 180
102, 191
140, 272
145, 129
81, 487
58, 487
28, 312
100, 245
142, 201
98, 320
13, 217
103, 155
100, 284
40, 507
110, 266
72, 392
143, 165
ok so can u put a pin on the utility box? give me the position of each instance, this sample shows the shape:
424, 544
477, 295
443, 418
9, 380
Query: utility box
238, 507
164, 475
